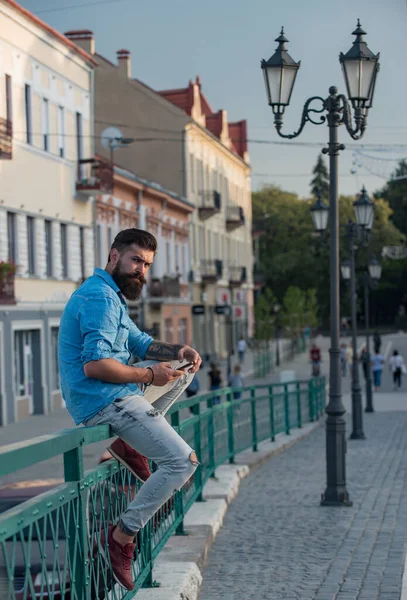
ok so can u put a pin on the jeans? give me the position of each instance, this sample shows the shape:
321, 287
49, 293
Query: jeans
140, 422
377, 377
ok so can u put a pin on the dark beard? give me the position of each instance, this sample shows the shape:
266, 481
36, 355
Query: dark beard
130, 285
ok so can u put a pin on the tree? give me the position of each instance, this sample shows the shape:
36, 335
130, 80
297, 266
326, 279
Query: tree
320, 180
395, 193
264, 315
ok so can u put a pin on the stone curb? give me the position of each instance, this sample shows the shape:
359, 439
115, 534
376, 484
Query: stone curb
178, 567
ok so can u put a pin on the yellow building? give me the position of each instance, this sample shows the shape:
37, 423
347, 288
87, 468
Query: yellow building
46, 211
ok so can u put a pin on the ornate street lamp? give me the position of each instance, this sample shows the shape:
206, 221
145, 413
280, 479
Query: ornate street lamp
319, 214
364, 210
371, 277
360, 68
345, 270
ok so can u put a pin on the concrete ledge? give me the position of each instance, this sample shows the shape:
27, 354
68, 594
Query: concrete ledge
178, 568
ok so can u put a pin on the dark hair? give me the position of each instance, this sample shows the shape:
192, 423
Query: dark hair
395, 353
127, 237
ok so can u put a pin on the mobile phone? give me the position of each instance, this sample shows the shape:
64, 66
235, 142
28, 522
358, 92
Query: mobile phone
186, 366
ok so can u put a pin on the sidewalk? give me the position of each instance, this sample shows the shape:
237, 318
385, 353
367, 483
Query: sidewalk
278, 543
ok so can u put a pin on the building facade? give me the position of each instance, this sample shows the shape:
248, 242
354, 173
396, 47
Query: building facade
180, 142
46, 223
164, 310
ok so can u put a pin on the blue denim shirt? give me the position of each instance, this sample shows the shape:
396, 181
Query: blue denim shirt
95, 325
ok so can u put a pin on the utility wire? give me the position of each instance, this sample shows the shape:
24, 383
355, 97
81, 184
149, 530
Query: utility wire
73, 6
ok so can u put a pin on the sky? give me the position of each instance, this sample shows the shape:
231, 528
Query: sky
223, 41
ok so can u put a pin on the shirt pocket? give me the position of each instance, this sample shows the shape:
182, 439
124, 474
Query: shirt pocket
122, 335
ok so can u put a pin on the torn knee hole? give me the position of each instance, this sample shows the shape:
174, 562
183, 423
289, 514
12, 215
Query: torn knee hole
193, 458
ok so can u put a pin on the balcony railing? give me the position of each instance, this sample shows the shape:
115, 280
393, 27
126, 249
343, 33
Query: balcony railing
237, 275
7, 289
234, 217
210, 204
167, 287
6, 139
211, 270
94, 176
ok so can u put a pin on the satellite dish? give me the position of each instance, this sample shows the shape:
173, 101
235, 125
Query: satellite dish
110, 133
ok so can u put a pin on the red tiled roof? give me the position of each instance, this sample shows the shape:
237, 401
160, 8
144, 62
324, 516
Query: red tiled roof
51, 30
238, 136
214, 123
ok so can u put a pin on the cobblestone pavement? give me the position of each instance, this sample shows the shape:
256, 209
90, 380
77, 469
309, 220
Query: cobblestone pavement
277, 543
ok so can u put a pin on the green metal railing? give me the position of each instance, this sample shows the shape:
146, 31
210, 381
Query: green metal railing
50, 544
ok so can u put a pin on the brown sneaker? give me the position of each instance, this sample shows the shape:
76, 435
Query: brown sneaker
135, 462
120, 558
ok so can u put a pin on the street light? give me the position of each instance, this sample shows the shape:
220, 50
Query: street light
364, 210
371, 277
280, 72
319, 214
276, 309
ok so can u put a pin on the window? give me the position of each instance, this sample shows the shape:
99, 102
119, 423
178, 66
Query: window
12, 237
48, 247
28, 115
192, 172
9, 99
55, 378
177, 263
79, 144
182, 331
31, 245
45, 124
183, 262
61, 131
23, 363
109, 238
168, 331
168, 257
98, 244
64, 251
82, 245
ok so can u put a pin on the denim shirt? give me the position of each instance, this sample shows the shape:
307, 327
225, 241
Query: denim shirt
95, 325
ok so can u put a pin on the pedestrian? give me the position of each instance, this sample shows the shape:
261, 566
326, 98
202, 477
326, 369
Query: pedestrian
343, 359
215, 381
377, 341
96, 340
192, 389
241, 349
236, 381
377, 368
398, 368
364, 360
349, 358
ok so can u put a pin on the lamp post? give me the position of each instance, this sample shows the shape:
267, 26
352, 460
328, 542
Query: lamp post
373, 275
360, 67
276, 309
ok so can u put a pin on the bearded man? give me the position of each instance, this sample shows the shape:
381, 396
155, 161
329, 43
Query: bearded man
96, 341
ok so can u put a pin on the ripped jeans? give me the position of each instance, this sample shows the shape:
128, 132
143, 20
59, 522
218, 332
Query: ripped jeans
144, 428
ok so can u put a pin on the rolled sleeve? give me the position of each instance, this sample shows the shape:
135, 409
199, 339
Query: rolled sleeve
138, 340
99, 321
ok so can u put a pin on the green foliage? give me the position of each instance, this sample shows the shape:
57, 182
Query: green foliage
292, 255
395, 193
264, 315
300, 309
320, 179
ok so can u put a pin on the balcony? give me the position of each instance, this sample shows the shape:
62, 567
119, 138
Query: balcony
94, 176
237, 275
259, 279
167, 287
210, 205
234, 217
6, 288
211, 270
6, 139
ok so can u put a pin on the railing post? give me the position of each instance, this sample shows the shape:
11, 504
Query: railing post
179, 496
196, 410
271, 404
231, 438
311, 400
299, 404
254, 420
211, 436
78, 548
286, 409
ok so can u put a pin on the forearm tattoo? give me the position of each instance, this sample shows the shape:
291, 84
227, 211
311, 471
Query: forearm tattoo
163, 351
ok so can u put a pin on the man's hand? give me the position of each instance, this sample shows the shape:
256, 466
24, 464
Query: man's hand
164, 373
190, 355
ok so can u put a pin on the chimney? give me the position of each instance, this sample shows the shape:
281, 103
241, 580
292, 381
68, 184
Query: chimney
82, 38
123, 59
